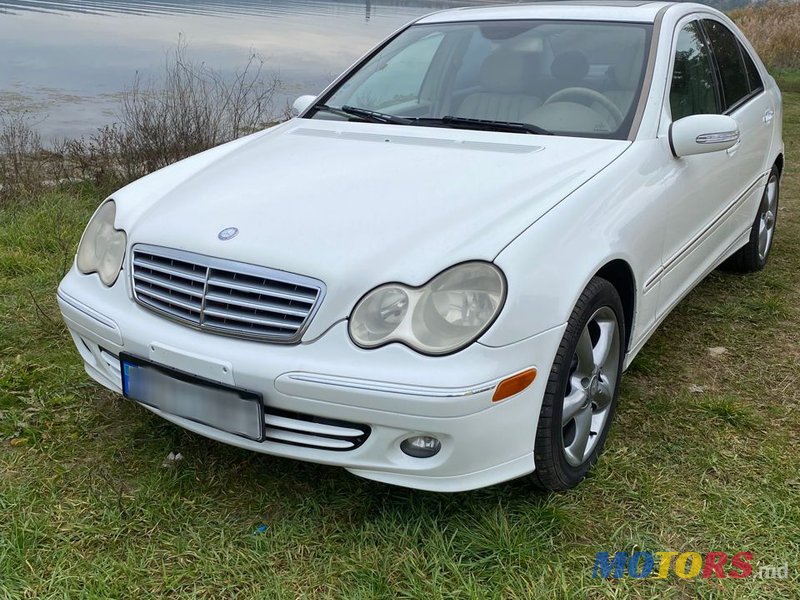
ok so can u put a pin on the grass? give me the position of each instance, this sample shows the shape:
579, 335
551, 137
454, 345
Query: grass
702, 457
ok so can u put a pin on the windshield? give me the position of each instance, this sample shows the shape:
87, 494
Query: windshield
572, 78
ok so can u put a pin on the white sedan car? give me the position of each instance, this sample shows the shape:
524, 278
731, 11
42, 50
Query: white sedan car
435, 275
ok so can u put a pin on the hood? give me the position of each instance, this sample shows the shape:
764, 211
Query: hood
360, 204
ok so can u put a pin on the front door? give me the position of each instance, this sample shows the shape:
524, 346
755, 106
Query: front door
700, 186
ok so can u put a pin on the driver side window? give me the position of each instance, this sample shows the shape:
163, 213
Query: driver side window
693, 90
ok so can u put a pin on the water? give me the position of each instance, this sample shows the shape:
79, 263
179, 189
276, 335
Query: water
67, 61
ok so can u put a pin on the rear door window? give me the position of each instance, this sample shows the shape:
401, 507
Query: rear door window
730, 63
753, 77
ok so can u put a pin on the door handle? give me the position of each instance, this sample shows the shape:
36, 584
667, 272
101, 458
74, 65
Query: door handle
768, 115
733, 149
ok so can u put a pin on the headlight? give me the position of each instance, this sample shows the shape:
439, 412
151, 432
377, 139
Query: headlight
446, 314
102, 247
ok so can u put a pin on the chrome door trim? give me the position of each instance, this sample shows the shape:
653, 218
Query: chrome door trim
683, 252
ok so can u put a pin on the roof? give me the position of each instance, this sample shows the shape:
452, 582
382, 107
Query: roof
590, 10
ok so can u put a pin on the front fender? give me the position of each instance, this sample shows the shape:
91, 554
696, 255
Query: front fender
618, 214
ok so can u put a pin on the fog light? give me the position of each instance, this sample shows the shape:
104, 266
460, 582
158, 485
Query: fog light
421, 446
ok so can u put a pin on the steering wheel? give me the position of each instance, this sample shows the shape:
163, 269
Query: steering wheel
587, 94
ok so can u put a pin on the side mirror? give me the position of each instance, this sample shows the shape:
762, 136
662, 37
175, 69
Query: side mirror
699, 134
301, 104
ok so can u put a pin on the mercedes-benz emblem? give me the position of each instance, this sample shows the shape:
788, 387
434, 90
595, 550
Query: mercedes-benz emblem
228, 233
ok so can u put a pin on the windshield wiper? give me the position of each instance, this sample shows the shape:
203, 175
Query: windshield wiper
364, 114
338, 111
374, 115
488, 125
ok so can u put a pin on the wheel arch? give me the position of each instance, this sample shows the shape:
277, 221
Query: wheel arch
779, 163
619, 273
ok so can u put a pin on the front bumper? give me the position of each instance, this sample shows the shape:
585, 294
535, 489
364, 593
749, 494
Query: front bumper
393, 392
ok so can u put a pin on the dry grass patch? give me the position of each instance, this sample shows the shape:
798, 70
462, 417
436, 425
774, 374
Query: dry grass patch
774, 31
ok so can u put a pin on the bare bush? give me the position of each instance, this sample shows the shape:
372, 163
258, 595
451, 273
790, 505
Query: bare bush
21, 155
102, 158
774, 30
194, 108
190, 109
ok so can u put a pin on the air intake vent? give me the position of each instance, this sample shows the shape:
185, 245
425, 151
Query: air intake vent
309, 431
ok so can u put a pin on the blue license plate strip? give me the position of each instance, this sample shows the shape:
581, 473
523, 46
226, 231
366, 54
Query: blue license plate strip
227, 408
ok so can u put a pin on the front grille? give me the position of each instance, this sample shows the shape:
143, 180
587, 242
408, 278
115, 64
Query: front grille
223, 296
308, 431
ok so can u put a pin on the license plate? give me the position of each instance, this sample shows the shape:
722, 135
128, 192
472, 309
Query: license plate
226, 408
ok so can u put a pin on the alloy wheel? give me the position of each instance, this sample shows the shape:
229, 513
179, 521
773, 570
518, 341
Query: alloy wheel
766, 225
590, 386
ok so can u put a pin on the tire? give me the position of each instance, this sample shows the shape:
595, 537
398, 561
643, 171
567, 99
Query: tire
753, 256
581, 390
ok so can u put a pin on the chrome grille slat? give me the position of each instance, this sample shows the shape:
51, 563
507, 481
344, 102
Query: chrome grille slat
169, 309
248, 331
223, 296
215, 281
255, 304
169, 269
249, 318
173, 285
167, 298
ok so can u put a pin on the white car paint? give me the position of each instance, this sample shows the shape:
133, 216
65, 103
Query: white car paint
276, 197
332, 200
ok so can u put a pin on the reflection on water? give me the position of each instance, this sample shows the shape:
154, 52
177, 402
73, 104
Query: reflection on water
214, 7
70, 59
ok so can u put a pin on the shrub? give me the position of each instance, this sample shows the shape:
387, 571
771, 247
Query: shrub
24, 164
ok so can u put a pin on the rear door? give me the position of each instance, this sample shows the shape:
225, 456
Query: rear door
743, 98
